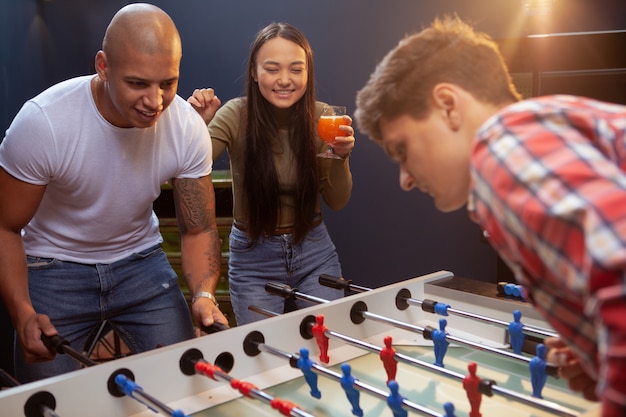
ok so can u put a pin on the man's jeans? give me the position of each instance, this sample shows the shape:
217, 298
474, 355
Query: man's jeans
138, 295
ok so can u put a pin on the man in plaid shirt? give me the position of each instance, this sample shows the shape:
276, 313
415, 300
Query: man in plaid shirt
545, 179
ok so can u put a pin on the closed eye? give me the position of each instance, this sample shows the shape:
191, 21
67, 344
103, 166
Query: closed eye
396, 152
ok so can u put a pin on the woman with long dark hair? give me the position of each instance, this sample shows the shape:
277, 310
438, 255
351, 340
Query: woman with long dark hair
278, 233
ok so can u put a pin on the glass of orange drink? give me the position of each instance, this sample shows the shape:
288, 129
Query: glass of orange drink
328, 128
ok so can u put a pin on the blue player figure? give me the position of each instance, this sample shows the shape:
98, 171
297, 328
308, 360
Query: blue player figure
395, 400
516, 335
347, 383
440, 342
304, 363
449, 409
538, 371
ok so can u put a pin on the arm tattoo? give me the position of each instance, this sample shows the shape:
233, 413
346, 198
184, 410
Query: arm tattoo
194, 200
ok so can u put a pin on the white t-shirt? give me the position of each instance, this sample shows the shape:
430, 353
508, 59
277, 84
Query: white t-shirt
100, 180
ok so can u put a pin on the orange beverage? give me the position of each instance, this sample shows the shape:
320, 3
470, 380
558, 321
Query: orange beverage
328, 128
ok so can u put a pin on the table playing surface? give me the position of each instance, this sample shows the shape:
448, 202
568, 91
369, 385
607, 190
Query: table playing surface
421, 386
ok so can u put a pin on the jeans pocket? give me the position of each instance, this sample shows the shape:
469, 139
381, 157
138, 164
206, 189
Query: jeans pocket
317, 234
239, 242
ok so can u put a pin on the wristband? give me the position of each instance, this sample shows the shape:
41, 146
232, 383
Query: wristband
204, 294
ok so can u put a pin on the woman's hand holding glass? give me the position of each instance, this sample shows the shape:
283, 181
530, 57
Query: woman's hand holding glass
334, 128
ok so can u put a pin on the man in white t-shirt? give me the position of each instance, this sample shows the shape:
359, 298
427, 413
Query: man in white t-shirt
80, 167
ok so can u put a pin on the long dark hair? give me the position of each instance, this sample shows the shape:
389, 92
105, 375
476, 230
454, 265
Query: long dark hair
261, 180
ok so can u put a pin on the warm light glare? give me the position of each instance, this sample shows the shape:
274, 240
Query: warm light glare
538, 7
539, 16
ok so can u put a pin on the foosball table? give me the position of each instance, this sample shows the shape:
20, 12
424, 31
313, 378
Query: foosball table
441, 345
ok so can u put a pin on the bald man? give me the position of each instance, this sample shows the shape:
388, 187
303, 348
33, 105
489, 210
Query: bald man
80, 167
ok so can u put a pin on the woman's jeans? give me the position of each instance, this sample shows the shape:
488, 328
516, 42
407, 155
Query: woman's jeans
275, 258
138, 295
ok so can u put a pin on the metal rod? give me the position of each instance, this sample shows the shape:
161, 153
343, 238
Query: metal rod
48, 412
158, 404
254, 392
341, 283
489, 320
364, 387
133, 390
358, 288
262, 311
478, 346
375, 391
523, 398
7, 379
78, 356
286, 291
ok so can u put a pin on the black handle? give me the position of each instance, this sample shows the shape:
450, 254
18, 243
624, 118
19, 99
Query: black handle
552, 370
54, 343
214, 328
334, 282
277, 288
59, 345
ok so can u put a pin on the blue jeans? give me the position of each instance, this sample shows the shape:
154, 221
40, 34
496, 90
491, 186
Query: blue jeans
275, 258
138, 295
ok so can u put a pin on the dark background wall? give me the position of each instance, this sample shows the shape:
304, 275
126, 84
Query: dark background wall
384, 235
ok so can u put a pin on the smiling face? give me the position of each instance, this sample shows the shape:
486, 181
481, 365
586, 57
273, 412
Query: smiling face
137, 87
432, 158
281, 72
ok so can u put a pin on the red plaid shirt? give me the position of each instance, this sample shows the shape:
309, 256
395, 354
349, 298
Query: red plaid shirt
549, 188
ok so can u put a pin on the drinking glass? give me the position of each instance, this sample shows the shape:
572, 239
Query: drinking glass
328, 128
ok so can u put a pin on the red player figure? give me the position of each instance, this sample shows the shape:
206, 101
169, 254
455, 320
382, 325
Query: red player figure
387, 355
322, 340
471, 385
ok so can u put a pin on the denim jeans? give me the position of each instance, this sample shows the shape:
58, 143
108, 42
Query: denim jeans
275, 258
138, 295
